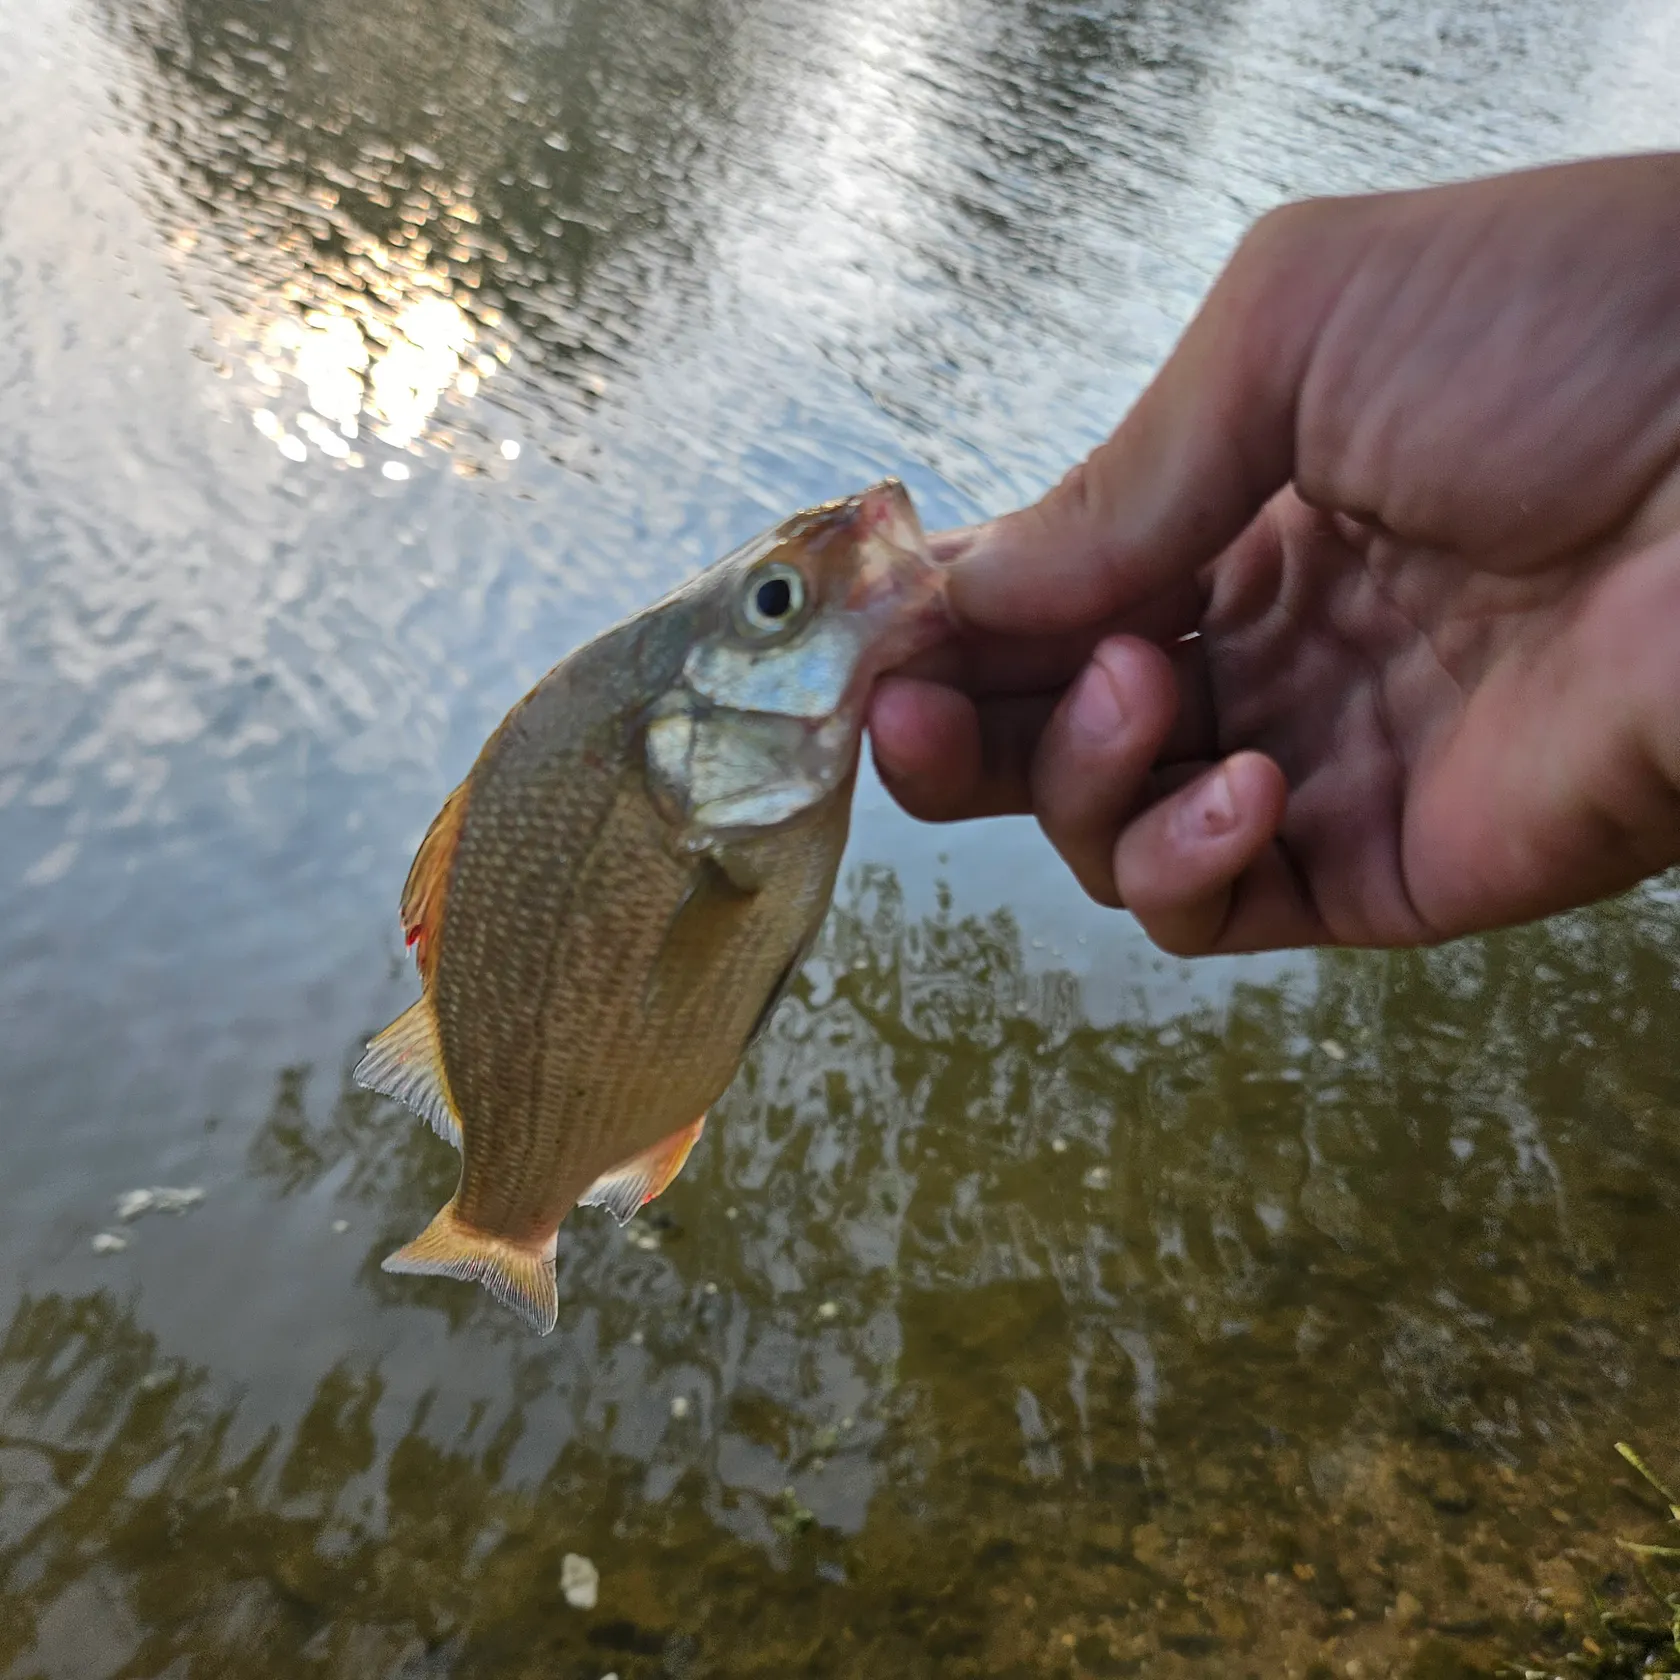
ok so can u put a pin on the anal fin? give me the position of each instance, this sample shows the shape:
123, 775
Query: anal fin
519, 1275
632, 1184
406, 1062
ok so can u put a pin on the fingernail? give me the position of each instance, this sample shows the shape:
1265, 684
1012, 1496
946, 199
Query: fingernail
1209, 811
1095, 712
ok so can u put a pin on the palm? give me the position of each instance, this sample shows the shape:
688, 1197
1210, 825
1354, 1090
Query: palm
1447, 769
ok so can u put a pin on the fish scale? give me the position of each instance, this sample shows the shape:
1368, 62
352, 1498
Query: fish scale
609, 907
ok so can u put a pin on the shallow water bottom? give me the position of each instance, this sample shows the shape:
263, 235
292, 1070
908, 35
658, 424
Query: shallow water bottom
1266, 1338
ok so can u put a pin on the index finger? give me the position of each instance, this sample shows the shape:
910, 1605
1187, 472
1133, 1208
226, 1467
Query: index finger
1206, 446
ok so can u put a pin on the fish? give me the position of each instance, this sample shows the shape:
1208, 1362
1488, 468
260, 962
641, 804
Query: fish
607, 910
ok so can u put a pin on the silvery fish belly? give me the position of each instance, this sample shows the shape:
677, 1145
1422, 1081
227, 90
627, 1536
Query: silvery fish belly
608, 908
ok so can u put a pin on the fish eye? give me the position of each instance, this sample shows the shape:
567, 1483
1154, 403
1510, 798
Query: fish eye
774, 599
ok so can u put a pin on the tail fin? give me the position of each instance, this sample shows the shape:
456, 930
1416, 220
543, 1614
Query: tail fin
517, 1274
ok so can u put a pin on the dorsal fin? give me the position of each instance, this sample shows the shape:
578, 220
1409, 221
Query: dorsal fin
426, 891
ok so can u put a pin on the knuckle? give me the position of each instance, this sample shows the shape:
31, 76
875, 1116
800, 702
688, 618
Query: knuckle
1282, 231
1073, 495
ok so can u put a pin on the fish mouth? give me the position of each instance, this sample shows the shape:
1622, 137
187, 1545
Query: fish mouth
897, 583
883, 579
897, 589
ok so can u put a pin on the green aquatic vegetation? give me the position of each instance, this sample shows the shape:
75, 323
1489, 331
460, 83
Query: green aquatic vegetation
1659, 1568
790, 1516
1629, 1642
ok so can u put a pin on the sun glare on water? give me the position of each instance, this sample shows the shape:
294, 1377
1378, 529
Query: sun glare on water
378, 355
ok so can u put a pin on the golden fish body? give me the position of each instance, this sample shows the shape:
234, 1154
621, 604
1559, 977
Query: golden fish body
610, 905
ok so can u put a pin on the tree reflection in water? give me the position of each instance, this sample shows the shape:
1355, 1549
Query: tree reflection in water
1131, 1342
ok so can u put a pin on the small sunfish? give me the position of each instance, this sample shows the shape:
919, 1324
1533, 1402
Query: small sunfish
607, 910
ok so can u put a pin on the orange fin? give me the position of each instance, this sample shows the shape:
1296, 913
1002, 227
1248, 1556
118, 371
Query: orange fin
518, 1275
634, 1183
406, 1062
426, 891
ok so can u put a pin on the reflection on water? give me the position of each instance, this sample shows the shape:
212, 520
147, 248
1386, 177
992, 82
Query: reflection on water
1035, 1305
395, 196
1219, 1337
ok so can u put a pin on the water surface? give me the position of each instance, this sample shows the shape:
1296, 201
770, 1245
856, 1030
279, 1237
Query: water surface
1035, 1305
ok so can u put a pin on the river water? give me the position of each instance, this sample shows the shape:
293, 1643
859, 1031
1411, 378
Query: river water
1035, 1305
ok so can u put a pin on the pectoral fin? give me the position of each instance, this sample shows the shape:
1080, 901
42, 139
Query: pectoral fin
520, 1276
700, 926
634, 1183
406, 1062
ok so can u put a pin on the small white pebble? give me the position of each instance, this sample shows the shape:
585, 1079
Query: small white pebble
731, 1213
846, 1423
132, 1203
1333, 1050
397, 470
828, 1310
647, 1242
340, 1226
859, 964
637, 1338
1096, 1178
108, 1242
155, 1380
160, 1198
580, 1581
679, 1406
1059, 1145
510, 449
171, 1199
711, 1289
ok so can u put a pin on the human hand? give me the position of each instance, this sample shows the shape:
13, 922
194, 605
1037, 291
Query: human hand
1411, 482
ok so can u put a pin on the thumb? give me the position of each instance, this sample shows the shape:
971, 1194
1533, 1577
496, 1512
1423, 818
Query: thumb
1209, 442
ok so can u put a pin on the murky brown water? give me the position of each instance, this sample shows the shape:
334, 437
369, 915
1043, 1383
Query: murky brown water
1035, 1306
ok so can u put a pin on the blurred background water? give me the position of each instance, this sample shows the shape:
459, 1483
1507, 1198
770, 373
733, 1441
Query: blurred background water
1035, 1305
